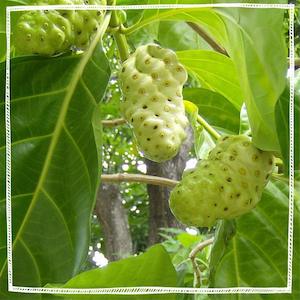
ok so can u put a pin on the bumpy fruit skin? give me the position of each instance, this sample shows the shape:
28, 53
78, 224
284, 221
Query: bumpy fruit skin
53, 32
226, 185
152, 80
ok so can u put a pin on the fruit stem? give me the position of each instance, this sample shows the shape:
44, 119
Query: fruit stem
148, 179
208, 128
119, 37
193, 255
122, 45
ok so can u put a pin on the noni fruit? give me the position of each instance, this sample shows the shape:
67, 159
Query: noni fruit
52, 32
152, 80
227, 184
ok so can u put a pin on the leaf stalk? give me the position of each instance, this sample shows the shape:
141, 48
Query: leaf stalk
148, 179
208, 128
192, 256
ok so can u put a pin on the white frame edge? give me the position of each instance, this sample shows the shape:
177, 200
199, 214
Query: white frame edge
151, 290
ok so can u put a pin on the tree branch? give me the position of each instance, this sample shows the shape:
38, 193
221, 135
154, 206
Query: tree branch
192, 256
113, 123
124, 177
207, 38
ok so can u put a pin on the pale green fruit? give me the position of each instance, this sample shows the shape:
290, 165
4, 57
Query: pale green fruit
54, 32
43, 33
152, 80
84, 22
226, 185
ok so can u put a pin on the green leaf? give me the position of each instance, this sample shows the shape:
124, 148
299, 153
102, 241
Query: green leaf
256, 254
179, 36
152, 268
145, 35
55, 163
250, 39
170, 34
203, 142
204, 16
187, 240
244, 122
283, 125
214, 108
215, 72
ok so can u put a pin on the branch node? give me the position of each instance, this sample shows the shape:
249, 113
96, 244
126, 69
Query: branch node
192, 257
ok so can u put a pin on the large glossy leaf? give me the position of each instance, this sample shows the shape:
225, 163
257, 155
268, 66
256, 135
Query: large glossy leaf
260, 56
254, 40
283, 124
215, 108
179, 36
205, 16
153, 268
254, 253
55, 163
170, 34
283, 127
214, 71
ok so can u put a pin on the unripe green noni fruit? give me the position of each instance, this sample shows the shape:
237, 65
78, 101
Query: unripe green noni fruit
152, 80
52, 32
226, 185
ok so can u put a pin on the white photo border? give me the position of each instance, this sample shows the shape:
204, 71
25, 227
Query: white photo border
148, 289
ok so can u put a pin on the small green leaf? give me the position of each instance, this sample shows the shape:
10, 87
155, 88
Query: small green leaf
203, 142
250, 39
187, 240
283, 129
191, 109
179, 36
282, 115
215, 72
244, 122
152, 268
214, 108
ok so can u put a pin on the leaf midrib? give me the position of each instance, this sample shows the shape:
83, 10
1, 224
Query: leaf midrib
201, 78
267, 258
161, 16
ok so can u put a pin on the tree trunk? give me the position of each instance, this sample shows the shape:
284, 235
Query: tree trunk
160, 215
114, 222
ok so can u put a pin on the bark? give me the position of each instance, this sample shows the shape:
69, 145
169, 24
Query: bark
114, 222
159, 212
